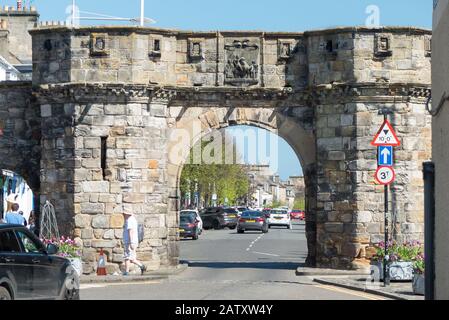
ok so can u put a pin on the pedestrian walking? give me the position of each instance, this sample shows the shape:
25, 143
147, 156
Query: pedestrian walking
25, 220
14, 217
32, 222
131, 242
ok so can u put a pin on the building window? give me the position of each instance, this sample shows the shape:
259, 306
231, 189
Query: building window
103, 155
157, 45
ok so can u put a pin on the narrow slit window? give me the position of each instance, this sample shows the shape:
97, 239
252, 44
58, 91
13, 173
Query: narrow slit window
157, 45
103, 155
329, 46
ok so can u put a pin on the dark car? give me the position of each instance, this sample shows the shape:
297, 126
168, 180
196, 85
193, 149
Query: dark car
29, 270
189, 226
231, 217
219, 218
252, 220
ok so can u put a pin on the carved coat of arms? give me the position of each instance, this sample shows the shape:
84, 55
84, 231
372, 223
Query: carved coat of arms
242, 63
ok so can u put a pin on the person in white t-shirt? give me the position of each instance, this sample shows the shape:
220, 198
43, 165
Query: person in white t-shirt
131, 242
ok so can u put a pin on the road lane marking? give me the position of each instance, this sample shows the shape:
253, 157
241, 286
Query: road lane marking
254, 242
266, 254
104, 285
350, 292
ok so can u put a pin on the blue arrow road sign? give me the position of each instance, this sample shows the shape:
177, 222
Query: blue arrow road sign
385, 156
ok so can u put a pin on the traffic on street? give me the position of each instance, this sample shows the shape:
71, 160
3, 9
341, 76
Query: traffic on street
224, 264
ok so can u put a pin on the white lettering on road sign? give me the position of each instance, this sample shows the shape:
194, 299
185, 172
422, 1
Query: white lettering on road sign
386, 136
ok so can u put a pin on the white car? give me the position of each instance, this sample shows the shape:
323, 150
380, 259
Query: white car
279, 217
198, 217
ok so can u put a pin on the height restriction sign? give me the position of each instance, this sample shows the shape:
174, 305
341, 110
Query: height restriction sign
386, 136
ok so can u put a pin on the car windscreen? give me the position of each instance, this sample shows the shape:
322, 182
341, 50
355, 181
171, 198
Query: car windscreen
251, 214
230, 210
189, 213
278, 212
186, 219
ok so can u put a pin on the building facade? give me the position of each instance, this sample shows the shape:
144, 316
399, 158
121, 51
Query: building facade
440, 155
96, 130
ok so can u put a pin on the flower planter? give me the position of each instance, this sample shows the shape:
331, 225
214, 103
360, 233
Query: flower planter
77, 264
398, 271
418, 284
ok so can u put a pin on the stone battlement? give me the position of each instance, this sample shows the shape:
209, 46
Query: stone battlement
231, 58
14, 10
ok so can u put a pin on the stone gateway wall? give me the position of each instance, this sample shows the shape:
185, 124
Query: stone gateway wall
20, 132
108, 100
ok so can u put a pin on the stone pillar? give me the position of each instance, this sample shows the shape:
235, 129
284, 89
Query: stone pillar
350, 205
59, 162
310, 197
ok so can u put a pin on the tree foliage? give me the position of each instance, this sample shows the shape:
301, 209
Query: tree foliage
228, 181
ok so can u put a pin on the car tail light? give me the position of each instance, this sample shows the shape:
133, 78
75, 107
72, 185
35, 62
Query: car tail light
260, 220
242, 220
191, 225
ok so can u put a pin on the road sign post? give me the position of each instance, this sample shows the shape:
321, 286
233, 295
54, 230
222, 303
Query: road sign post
385, 140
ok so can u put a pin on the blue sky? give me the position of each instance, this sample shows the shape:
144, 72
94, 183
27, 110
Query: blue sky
279, 15
268, 15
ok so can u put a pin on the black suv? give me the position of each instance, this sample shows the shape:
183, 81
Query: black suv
219, 218
29, 270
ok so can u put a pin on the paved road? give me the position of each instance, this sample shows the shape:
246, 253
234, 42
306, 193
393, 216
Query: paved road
224, 265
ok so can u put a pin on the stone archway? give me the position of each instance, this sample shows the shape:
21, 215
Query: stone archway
198, 122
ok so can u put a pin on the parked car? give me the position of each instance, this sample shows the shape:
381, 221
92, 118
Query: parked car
197, 216
189, 226
279, 217
231, 217
240, 210
219, 218
31, 270
252, 220
298, 214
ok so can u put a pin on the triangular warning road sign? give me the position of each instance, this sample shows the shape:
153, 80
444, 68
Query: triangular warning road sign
386, 136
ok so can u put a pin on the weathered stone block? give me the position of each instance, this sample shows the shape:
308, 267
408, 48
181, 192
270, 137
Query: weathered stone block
114, 109
95, 186
82, 221
104, 243
87, 234
92, 208
46, 110
363, 217
100, 222
116, 221
334, 227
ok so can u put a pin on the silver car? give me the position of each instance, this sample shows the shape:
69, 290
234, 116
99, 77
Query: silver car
252, 220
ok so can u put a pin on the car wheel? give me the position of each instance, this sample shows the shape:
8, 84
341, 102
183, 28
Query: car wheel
4, 294
67, 294
216, 225
240, 231
265, 230
233, 228
70, 289
195, 237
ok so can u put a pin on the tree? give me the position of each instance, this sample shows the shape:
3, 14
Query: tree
228, 181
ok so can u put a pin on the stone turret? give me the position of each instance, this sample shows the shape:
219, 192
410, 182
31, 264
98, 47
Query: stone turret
18, 21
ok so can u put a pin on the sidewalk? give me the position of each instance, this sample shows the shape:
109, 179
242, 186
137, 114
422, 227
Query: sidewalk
148, 276
396, 291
